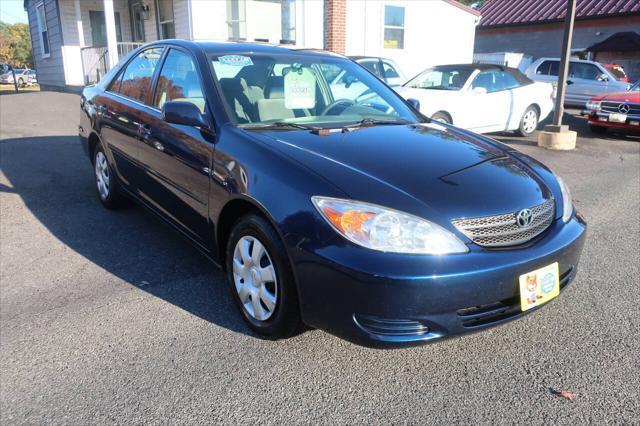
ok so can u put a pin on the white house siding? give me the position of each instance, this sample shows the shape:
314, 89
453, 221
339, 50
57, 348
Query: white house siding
50, 70
209, 20
435, 32
68, 19
181, 18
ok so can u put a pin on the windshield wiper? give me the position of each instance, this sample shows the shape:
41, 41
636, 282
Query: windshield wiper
282, 124
366, 122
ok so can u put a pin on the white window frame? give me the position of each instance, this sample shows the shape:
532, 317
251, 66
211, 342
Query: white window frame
40, 27
167, 21
394, 27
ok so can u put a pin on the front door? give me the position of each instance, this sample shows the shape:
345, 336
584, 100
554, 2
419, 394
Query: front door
99, 27
489, 103
583, 83
176, 159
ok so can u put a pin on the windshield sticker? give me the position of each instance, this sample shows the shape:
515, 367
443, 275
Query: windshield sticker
235, 60
299, 89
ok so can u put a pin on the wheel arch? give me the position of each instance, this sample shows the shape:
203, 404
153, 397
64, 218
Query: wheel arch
443, 112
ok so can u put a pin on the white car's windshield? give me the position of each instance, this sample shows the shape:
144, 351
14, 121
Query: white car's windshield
441, 78
309, 90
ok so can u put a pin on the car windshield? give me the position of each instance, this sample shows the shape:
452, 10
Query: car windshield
441, 78
262, 90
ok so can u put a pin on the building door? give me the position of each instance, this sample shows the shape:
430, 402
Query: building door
99, 27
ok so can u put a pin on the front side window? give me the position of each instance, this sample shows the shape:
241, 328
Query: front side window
41, 18
394, 27
166, 27
505, 81
179, 81
584, 70
135, 80
441, 78
389, 71
263, 89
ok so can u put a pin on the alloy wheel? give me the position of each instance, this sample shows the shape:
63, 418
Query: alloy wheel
530, 121
255, 278
102, 175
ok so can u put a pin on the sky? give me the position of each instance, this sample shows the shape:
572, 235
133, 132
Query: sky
11, 11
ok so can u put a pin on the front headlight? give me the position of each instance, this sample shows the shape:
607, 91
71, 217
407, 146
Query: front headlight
593, 105
567, 204
388, 230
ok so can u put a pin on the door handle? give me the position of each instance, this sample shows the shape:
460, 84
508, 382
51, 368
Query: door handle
144, 132
569, 82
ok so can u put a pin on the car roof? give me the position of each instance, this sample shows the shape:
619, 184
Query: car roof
570, 60
235, 47
478, 66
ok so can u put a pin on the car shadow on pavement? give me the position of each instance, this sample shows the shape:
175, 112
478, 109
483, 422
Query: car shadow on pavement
54, 178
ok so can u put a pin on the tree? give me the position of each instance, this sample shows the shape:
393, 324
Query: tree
15, 45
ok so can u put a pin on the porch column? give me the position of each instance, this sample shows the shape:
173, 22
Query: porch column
81, 43
112, 42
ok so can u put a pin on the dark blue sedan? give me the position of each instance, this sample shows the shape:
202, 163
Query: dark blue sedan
342, 210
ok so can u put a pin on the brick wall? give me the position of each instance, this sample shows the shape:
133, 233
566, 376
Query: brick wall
335, 17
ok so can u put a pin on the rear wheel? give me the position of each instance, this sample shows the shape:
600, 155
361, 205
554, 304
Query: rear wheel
260, 277
529, 121
21, 82
109, 191
442, 117
597, 129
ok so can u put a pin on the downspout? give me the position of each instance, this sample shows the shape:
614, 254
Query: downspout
189, 13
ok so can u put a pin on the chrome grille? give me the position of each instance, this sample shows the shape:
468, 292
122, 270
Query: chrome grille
612, 106
503, 230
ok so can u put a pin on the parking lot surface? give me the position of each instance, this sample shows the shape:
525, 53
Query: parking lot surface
109, 317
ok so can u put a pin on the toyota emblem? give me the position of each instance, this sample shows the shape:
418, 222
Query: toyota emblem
524, 218
624, 108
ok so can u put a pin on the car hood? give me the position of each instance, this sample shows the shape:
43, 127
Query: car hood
621, 97
423, 169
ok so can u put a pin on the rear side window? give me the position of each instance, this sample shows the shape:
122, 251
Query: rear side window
372, 66
135, 80
179, 81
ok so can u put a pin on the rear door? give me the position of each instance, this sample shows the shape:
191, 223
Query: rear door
176, 159
122, 112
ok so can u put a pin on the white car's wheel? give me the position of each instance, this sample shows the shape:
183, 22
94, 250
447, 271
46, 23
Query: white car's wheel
529, 121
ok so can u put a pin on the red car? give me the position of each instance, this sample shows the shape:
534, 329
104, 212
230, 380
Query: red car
620, 110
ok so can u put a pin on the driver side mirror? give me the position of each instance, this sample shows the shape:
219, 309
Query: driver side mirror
185, 113
414, 103
479, 91
603, 77
349, 80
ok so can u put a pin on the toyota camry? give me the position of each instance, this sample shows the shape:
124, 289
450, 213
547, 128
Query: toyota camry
355, 215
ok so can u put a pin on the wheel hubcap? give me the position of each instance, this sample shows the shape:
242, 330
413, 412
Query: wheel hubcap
530, 121
255, 278
102, 175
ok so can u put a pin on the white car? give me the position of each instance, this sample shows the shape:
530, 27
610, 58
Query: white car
481, 97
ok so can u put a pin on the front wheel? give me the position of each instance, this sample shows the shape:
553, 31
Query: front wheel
261, 279
528, 122
21, 83
442, 117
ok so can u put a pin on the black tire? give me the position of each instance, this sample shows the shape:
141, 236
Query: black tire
442, 117
526, 128
114, 198
21, 82
284, 321
597, 129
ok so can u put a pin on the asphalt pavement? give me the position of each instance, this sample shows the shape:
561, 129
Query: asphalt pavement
109, 317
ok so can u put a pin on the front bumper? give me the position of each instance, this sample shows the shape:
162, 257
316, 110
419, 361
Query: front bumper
604, 119
389, 300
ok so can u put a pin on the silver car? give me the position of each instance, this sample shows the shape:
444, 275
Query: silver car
586, 79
